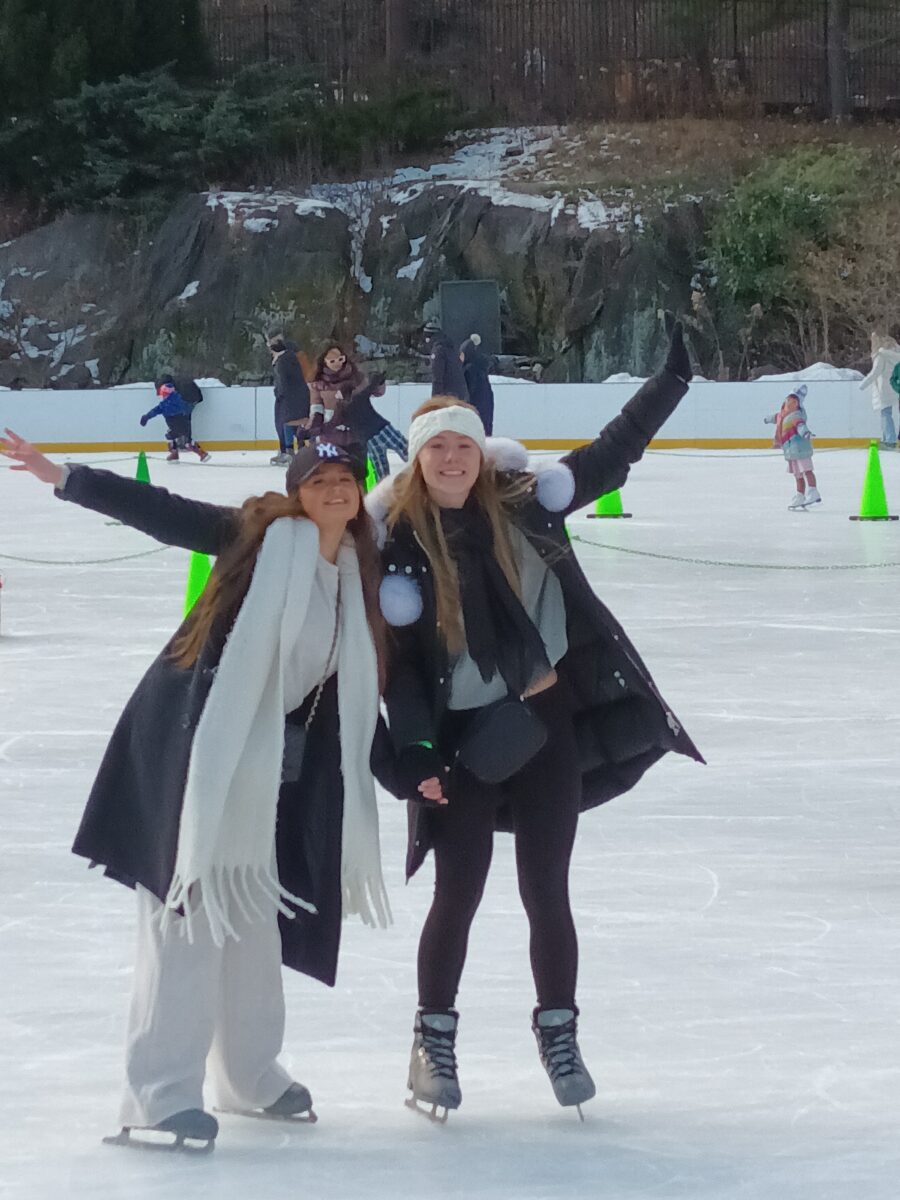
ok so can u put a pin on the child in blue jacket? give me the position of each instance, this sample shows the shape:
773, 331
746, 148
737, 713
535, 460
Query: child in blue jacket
177, 412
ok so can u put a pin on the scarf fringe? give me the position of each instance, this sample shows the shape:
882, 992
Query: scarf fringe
218, 892
366, 896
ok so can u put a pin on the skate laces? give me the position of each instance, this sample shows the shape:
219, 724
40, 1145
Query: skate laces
440, 1055
559, 1049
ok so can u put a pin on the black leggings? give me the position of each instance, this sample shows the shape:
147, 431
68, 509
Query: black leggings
543, 800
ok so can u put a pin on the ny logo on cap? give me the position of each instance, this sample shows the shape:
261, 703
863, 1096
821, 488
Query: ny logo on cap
327, 450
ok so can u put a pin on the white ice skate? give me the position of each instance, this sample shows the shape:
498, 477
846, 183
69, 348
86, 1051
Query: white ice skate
798, 504
432, 1065
812, 497
556, 1030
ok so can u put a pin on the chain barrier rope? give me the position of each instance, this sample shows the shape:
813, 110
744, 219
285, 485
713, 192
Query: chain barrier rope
743, 453
84, 562
746, 566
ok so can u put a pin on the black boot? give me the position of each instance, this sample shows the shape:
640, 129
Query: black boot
556, 1030
292, 1104
432, 1066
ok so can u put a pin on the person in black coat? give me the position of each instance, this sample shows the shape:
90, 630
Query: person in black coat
488, 604
477, 370
291, 396
447, 378
369, 428
236, 793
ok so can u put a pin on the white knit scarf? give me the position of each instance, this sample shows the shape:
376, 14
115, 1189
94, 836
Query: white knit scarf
225, 862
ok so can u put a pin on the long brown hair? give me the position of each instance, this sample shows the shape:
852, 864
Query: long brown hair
230, 578
494, 492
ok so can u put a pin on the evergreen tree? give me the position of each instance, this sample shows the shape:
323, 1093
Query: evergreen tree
49, 48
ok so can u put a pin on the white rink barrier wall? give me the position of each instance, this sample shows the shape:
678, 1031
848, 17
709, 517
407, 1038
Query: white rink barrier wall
544, 416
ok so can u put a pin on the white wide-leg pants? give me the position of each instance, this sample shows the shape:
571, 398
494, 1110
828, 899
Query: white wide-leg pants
195, 1004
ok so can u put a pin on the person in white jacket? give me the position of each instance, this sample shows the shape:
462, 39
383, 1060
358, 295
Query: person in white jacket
885, 357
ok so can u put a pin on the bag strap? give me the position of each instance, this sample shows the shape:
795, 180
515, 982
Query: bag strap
320, 686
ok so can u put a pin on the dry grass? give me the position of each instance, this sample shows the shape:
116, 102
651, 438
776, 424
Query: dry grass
686, 154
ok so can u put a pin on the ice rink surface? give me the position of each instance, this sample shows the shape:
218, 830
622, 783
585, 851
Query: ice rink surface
739, 922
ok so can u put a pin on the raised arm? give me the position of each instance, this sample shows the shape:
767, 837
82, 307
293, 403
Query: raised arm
173, 520
603, 465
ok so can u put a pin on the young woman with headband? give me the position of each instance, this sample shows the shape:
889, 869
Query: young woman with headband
488, 605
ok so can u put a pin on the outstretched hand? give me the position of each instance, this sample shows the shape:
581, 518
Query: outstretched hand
678, 360
30, 459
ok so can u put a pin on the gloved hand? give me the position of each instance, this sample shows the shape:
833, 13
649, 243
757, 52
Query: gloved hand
678, 360
144, 419
415, 764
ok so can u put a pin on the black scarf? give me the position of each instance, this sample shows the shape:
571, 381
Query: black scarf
500, 636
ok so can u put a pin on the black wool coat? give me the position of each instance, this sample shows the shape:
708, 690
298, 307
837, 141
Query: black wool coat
130, 825
622, 723
291, 389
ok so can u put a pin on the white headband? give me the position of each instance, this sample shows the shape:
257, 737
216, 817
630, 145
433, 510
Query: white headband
454, 419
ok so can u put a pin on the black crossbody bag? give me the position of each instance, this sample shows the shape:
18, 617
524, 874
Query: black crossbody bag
503, 739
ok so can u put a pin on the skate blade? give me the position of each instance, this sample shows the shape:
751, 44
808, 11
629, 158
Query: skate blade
307, 1117
430, 1113
181, 1144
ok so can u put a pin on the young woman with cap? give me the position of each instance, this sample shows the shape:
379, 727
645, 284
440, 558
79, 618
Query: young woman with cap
488, 606
236, 793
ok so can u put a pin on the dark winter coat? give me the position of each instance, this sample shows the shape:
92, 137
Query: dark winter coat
622, 723
172, 405
477, 368
291, 389
130, 825
447, 378
363, 419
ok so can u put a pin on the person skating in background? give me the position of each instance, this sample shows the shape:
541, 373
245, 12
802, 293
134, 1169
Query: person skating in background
236, 794
291, 397
447, 376
336, 378
477, 370
177, 412
794, 439
488, 604
885, 360
369, 428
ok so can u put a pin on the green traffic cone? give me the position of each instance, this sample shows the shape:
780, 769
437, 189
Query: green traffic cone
142, 474
873, 502
609, 505
371, 477
198, 573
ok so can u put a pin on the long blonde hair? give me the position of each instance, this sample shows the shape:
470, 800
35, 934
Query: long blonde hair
227, 586
495, 494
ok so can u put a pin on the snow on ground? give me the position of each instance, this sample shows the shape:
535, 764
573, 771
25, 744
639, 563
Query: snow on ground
819, 372
739, 922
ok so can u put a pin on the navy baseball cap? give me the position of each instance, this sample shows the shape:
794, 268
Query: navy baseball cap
318, 454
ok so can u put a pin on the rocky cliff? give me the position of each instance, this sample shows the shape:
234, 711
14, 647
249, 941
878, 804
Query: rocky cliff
94, 300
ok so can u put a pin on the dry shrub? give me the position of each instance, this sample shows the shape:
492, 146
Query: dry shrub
853, 282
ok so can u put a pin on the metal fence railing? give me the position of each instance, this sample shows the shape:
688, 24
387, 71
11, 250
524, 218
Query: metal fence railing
577, 58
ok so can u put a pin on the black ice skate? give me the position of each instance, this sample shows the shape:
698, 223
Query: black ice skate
293, 1105
432, 1066
188, 1127
556, 1030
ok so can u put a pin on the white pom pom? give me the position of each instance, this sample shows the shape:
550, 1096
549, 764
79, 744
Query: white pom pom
507, 454
475, 339
555, 487
377, 503
400, 600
